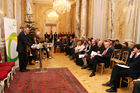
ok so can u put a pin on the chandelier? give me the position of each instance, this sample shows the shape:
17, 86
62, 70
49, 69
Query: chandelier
62, 6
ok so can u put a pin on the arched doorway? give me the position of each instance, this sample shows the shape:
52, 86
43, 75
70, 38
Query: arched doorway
51, 23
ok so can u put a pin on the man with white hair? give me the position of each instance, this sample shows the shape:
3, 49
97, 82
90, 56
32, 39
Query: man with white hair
101, 58
22, 44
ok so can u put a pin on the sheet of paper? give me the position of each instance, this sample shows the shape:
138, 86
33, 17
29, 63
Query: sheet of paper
124, 66
49, 44
93, 53
81, 56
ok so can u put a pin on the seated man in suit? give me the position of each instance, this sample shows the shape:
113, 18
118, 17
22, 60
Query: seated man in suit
132, 70
35, 51
117, 45
96, 48
46, 48
101, 58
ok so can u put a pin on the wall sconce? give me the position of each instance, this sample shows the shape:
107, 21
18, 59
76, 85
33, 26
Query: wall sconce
38, 33
53, 14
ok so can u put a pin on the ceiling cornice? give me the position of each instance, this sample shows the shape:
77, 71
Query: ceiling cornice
51, 1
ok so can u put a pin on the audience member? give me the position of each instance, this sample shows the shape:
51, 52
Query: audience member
132, 70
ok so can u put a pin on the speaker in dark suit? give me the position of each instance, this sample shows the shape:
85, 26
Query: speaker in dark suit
22, 44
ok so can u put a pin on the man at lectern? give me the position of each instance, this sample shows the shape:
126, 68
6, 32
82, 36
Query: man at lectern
22, 44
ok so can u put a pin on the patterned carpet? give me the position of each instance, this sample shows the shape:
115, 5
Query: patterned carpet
51, 80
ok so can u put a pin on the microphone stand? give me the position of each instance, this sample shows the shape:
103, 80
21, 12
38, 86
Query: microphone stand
51, 49
40, 51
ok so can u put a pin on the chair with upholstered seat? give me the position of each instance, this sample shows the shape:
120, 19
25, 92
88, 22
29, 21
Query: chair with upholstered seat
4, 76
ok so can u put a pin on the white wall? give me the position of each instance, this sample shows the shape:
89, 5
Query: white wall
48, 29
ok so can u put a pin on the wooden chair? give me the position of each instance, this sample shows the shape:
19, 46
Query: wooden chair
124, 58
57, 49
115, 56
129, 81
101, 66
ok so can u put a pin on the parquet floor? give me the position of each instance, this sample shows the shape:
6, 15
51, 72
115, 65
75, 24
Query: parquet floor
92, 84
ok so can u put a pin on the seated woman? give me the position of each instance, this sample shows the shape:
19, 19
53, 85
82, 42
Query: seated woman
78, 49
72, 47
85, 48
97, 49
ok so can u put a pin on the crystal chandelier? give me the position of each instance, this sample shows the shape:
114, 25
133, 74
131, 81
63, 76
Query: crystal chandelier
62, 6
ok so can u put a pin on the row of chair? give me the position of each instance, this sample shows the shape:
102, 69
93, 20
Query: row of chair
7, 70
119, 58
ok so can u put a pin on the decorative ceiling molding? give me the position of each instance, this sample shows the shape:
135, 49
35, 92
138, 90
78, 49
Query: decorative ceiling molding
43, 1
50, 1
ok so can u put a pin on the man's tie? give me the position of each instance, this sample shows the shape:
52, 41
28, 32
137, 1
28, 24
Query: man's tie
104, 52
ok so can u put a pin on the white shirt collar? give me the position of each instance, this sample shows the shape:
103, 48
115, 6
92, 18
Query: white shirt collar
137, 54
25, 33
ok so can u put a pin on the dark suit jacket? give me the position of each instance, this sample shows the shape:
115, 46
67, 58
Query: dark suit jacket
23, 41
134, 64
46, 35
118, 46
107, 57
55, 37
50, 37
101, 49
93, 48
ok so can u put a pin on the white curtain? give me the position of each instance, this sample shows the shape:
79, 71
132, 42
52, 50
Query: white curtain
98, 19
77, 29
83, 18
138, 34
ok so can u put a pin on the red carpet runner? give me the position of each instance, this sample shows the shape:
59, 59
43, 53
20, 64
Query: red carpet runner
54, 80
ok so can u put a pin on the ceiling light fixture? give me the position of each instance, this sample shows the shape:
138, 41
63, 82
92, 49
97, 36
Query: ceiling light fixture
62, 6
